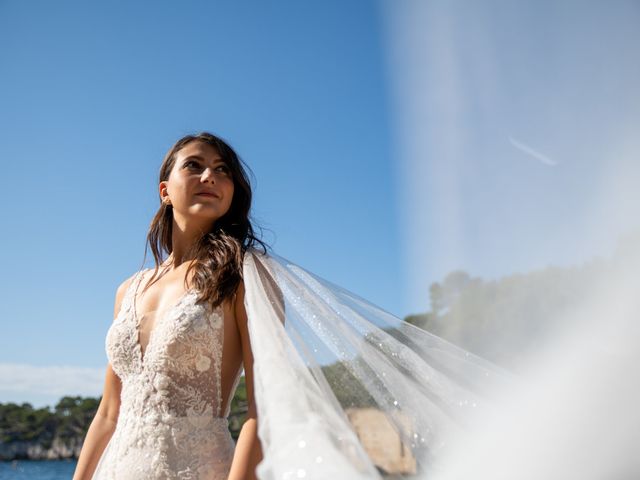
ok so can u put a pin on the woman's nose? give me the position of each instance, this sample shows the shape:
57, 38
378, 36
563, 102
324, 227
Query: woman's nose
207, 174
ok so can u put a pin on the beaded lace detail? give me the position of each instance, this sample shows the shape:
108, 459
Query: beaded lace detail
170, 424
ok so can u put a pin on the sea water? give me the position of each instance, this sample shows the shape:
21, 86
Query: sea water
37, 470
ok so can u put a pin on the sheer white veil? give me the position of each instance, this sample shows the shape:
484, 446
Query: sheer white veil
346, 390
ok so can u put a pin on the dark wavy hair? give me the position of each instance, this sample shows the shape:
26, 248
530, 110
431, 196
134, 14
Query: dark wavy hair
219, 253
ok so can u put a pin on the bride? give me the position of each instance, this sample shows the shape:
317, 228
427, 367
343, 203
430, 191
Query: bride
176, 349
337, 387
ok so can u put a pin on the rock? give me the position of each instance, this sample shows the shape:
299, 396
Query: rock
381, 442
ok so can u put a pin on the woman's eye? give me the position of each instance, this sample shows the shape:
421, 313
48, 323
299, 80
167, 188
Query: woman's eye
192, 165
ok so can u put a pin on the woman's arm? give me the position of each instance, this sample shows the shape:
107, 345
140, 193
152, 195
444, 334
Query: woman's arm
101, 429
104, 422
248, 452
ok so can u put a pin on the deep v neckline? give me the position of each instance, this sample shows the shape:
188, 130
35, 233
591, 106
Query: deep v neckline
160, 314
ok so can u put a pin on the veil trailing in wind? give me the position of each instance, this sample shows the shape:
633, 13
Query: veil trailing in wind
344, 389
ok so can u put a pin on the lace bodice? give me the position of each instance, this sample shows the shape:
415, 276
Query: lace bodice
170, 424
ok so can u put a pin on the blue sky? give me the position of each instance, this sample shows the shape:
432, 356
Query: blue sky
391, 142
92, 97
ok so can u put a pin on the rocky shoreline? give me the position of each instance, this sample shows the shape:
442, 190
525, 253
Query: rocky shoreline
60, 449
28, 433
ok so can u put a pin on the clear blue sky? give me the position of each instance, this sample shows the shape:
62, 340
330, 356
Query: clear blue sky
391, 142
92, 97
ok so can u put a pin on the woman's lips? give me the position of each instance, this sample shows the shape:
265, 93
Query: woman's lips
207, 195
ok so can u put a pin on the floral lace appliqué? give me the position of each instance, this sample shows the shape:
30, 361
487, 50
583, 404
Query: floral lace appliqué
170, 424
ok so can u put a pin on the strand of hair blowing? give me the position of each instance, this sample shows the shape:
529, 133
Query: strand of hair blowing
222, 254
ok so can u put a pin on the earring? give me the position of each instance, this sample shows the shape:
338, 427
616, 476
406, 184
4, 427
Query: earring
166, 200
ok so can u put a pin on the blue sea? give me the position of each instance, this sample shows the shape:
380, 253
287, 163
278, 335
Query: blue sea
37, 470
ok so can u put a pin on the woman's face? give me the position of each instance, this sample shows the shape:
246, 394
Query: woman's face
200, 183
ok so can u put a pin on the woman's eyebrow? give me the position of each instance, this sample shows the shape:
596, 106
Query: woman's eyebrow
197, 157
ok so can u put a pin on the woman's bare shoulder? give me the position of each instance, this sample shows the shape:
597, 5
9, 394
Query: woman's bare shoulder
120, 292
124, 286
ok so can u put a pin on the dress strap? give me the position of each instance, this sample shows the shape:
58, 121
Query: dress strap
136, 285
139, 277
129, 296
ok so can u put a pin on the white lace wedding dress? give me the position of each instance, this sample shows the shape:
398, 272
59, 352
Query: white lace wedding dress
320, 351
170, 424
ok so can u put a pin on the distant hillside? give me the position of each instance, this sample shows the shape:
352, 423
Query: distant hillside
58, 433
503, 320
